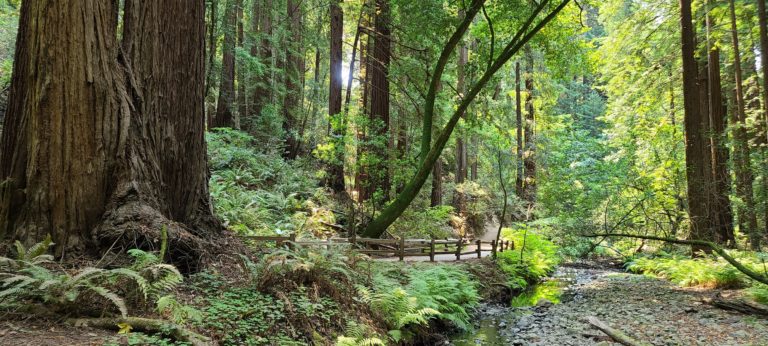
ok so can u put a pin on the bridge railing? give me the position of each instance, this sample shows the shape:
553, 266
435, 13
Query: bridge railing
398, 247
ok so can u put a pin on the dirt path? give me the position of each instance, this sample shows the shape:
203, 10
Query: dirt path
650, 310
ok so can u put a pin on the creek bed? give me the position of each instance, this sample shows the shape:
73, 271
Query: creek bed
498, 325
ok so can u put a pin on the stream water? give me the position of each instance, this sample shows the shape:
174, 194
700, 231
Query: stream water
497, 325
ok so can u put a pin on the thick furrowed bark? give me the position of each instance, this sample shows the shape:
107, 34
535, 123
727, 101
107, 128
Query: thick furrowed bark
111, 134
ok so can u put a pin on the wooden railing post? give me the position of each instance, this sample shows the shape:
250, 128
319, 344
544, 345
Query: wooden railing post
432, 250
402, 248
291, 239
479, 248
513, 245
353, 240
507, 244
458, 249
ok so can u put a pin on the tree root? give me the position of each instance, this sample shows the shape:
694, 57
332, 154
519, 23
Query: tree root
700, 243
146, 325
615, 334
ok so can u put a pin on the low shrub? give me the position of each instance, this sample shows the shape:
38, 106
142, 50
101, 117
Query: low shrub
532, 258
709, 271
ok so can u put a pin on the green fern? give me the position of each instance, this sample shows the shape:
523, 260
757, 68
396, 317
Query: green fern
25, 280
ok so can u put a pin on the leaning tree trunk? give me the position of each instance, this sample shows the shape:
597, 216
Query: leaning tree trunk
224, 105
104, 143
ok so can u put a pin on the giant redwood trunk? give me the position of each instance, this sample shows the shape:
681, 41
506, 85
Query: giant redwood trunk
104, 141
697, 150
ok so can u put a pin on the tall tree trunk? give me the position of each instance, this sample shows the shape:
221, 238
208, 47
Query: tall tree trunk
262, 91
744, 177
461, 147
107, 146
722, 211
393, 210
362, 177
697, 151
379, 93
519, 136
529, 156
336, 167
224, 116
294, 72
242, 105
763, 24
211, 48
436, 197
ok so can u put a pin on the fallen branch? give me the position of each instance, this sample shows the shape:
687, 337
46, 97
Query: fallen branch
702, 243
615, 334
144, 324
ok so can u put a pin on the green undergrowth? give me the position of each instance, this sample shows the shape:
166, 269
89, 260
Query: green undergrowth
709, 271
256, 192
533, 257
327, 297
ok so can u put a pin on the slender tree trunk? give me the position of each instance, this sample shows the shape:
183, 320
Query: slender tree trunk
379, 93
107, 146
461, 147
763, 24
242, 105
723, 214
744, 177
294, 72
262, 94
697, 150
336, 167
529, 156
519, 121
362, 183
436, 197
211, 48
224, 105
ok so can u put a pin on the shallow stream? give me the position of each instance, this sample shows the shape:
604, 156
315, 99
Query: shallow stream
497, 325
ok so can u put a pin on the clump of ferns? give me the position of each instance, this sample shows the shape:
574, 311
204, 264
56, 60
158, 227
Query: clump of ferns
401, 311
329, 270
359, 334
31, 280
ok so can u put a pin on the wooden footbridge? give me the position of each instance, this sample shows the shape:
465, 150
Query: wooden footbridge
398, 248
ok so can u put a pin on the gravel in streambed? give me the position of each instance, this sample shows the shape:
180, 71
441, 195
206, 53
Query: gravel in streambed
650, 310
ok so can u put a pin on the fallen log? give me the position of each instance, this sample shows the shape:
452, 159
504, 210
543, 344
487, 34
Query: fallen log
615, 334
739, 305
145, 325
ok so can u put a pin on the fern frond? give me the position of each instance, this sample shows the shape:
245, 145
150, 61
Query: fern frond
111, 297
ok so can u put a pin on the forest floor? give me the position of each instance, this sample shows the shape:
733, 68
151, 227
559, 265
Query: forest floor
649, 310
